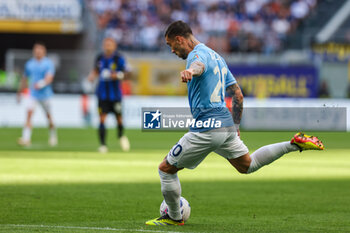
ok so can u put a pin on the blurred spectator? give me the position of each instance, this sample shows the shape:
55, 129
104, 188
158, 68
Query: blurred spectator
347, 36
228, 25
281, 26
299, 9
149, 36
323, 91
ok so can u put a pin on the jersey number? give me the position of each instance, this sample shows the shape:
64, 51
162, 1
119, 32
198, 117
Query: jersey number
216, 96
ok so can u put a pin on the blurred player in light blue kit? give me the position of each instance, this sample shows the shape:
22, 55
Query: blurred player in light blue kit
38, 74
208, 77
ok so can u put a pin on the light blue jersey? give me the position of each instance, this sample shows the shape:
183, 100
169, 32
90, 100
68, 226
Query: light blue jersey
37, 70
206, 93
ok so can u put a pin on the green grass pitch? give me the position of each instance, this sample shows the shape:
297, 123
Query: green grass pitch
72, 188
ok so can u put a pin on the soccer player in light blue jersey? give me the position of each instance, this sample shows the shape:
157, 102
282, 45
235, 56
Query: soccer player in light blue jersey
207, 77
38, 75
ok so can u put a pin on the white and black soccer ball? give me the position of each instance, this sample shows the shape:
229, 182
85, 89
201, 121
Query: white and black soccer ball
185, 208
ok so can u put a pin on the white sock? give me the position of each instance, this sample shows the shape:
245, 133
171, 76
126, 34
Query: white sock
171, 190
53, 133
26, 133
267, 154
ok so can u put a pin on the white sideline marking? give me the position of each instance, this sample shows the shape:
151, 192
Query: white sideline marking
85, 228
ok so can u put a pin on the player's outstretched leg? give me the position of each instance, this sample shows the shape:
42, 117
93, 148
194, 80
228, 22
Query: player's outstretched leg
171, 190
269, 153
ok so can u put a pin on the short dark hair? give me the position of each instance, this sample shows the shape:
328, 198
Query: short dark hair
178, 28
40, 43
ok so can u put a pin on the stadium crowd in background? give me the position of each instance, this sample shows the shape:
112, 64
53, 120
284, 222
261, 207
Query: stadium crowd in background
227, 26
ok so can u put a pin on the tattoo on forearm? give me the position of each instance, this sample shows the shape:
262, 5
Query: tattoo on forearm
237, 103
197, 67
237, 109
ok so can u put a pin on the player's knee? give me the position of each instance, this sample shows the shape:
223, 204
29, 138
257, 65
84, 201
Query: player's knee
242, 164
243, 169
103, 118
167, 168
164, 168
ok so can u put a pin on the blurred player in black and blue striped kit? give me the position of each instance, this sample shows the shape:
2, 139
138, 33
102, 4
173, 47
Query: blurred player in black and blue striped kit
109, 68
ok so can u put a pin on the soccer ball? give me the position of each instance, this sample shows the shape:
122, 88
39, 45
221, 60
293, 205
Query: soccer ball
185, 208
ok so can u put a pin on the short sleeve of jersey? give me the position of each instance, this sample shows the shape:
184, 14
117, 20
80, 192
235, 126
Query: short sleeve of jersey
97, 59
229, 79
50, 68
197, 56
121, 63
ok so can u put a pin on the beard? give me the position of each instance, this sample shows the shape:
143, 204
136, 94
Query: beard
183, 56
181, 53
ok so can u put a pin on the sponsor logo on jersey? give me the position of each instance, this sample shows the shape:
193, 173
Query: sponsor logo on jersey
113, 66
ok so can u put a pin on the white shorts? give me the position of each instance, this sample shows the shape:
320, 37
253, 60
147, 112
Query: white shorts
193, 147
33, 102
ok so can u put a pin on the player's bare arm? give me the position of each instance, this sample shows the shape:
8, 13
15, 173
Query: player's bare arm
117, 75
22, 85
196, 69
237, 103
92, 75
